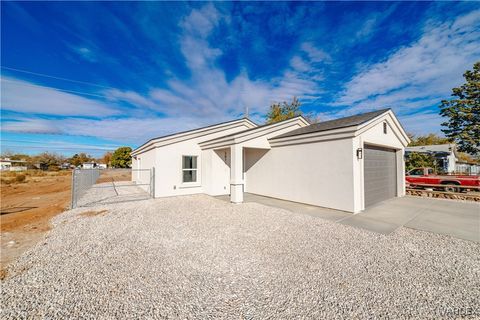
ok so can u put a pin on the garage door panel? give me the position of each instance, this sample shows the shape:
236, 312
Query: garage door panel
379, 174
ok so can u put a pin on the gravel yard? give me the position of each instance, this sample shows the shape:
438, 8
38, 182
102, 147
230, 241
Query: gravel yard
199, 257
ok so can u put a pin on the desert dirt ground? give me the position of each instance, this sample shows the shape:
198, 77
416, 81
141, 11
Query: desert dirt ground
115, 175
28, 206
26, 210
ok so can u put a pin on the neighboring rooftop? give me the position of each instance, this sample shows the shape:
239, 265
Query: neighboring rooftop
12, 160
335, 124
447, 148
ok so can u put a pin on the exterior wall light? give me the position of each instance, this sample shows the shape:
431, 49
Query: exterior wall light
359, 153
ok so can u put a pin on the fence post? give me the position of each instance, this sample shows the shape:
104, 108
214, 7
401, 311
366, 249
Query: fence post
152, 182
73, 200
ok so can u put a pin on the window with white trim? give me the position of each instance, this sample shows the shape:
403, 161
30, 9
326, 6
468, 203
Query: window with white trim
189, 169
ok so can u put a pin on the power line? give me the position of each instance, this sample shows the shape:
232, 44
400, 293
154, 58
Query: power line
64, 90
48, 146
22, 83
52, 142
116, 98
57, 148
54, 77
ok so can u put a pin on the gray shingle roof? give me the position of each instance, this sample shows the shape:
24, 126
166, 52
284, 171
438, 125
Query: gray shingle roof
447, 148
335, 124
191, 130
257, 127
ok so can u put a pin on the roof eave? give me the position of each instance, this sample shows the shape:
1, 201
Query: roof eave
395, 120
149, 143
342, 132
237, 137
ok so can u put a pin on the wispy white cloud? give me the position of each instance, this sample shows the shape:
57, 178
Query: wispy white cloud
409, 80
127, 130
209, 93
131, 97
308, 62
315, 55
205, 98
31, 125
367, 28
59, 144
132, 130
200, 22
422, 122
63, 145
421, 73
299, 64
27, 97
86, 53
372, 23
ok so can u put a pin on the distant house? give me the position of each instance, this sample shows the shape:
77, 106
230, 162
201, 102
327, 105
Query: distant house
6, 164
446, 155
66, 166
89, 165
447, 158
467, 167
93, 165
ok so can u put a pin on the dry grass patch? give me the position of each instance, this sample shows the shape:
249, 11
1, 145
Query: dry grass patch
16, 177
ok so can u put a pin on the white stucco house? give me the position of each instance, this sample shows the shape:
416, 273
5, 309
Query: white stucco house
89, 165
446, 155
6, 164
346, 164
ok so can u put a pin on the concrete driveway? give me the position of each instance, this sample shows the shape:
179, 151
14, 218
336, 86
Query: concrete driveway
455, 218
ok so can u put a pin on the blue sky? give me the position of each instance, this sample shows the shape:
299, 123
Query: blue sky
145, 69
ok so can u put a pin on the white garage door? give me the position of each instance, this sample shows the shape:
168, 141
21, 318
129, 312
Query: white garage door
380, 174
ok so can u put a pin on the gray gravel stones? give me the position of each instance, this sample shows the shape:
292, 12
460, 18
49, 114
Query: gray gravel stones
198, 257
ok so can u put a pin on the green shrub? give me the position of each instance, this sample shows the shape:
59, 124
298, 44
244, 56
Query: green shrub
419, 160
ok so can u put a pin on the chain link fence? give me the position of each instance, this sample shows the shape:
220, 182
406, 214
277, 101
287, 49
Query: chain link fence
102, 186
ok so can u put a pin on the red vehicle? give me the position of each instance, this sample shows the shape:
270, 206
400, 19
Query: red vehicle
426, 178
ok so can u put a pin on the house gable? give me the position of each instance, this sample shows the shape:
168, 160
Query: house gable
239, 124
256, 137
344, 130
372, 132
